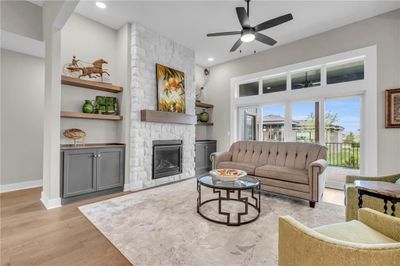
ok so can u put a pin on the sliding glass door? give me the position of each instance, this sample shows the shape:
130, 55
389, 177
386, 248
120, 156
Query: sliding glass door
342, 126
248, 123
305, 121
273, 123
333, 122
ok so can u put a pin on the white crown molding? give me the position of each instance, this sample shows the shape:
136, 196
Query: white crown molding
50, 203
21, 185
21, 44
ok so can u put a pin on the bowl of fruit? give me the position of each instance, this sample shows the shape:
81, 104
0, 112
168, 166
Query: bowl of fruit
227, 174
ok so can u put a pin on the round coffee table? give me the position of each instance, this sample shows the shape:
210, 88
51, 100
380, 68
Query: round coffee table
222, 188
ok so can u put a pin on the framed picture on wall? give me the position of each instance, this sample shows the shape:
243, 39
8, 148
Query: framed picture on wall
170, 89
392, 108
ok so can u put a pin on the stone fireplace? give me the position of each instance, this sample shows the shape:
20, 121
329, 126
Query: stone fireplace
147, 49
167, 158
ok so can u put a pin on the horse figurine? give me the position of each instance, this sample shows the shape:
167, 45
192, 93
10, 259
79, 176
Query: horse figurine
96, 68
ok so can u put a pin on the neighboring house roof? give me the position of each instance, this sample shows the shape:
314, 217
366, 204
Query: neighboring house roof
280, 120
276, 120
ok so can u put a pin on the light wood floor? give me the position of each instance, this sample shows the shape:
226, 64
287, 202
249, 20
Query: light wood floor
32, 235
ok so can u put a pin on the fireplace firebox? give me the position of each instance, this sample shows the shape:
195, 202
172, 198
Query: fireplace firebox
167, 158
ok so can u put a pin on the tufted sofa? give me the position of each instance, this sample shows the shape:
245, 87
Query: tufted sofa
292, 169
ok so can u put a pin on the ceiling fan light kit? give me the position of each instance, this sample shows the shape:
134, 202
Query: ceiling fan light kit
247, 36
248, 33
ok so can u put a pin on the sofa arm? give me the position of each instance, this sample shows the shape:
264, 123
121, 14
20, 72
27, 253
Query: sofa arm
217, 157
388, 178
320, 164
303, 246
316, 177
383, 223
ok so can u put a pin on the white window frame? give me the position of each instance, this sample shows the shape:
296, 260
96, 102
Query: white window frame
366, 89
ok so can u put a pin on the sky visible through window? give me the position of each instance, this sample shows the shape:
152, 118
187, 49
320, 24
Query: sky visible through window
347, 111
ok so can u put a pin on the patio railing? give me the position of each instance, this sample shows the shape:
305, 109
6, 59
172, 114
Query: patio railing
344, 154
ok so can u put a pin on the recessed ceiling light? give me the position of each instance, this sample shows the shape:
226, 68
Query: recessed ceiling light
210, 59
101, 5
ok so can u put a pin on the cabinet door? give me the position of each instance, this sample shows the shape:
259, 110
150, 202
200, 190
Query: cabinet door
211, 147
110, 168
201, 162
79, 172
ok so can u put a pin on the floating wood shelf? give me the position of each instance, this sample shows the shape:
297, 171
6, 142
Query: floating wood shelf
90, 116
167, 117
93, 85
204, 124
204, 105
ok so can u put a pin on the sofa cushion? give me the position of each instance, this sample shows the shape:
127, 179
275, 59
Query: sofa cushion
284, 185
247, 167
296, 155
354, 231
283, 173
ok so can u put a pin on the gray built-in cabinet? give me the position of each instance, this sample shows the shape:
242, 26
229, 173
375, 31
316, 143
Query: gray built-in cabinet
203, 149
91, 170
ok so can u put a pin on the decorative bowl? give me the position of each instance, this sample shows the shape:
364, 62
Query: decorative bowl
74, 133
227, 174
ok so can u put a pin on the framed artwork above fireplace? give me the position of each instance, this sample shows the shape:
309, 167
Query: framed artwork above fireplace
170, 89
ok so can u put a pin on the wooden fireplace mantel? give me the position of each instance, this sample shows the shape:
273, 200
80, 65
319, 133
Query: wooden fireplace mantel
167, 117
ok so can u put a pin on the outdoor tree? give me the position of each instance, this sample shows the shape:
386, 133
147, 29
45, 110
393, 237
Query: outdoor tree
349, 138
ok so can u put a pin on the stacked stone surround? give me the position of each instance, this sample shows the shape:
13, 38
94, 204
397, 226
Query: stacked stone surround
147, 49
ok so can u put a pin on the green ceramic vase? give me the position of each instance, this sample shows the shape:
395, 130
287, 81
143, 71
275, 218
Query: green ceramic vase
88, 107
203, 116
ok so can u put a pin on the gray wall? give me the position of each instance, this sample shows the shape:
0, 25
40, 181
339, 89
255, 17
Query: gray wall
88, 41
383, 31
22, 18
22, 104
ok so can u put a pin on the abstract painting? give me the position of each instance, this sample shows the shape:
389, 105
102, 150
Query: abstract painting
171, 89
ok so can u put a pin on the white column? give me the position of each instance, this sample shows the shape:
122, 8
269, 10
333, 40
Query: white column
55, 14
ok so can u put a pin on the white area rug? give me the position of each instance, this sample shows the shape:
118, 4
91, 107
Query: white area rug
160, 226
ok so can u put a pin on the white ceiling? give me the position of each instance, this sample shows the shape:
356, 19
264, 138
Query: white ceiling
188, 22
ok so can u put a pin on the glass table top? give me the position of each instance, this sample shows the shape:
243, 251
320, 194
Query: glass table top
242, 183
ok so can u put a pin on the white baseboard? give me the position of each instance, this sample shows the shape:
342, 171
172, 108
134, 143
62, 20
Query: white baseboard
21, 185
50, 203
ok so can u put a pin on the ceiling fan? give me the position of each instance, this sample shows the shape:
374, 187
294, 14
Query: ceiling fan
248, 33
306, 83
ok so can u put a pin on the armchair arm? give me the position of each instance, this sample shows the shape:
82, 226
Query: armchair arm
388, 178
302, 246
383, 223
321, 165
217, 157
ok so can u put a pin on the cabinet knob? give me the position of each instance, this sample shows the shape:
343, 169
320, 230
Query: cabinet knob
99, 155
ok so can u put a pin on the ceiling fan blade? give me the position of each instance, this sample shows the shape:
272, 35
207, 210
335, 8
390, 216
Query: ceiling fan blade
273, 22
243, 18
223, 33
236, 45
264, 39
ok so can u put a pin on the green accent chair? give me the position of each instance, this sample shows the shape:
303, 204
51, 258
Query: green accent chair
351, 196
373, 240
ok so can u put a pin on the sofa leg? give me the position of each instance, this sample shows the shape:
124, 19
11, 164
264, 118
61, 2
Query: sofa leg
312, 204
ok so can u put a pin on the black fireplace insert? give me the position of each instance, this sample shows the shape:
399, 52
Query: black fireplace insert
167, 158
